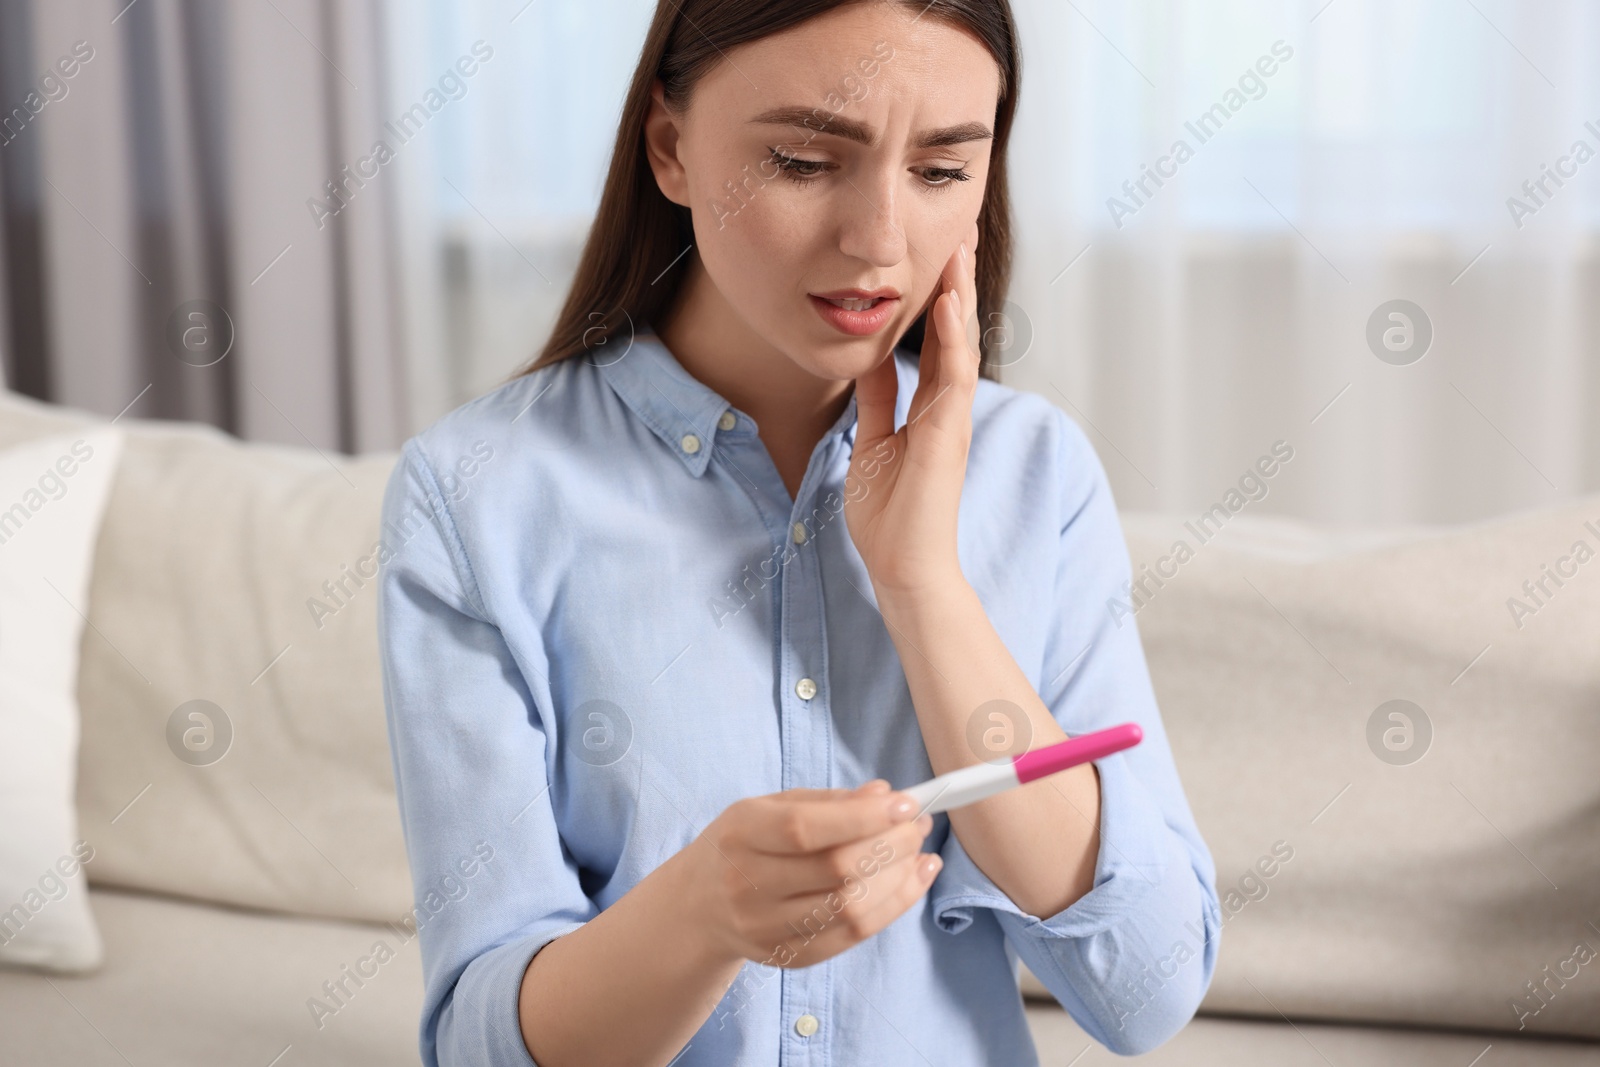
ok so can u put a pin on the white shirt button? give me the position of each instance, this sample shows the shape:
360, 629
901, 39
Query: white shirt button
728, 421
798, 532
806, 1025
691, 443
806, 688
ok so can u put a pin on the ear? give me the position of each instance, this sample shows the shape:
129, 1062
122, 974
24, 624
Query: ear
661, 148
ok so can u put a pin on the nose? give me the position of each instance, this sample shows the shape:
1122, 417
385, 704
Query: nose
870, 227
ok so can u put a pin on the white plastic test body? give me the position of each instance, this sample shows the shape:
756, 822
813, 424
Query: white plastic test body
972, 784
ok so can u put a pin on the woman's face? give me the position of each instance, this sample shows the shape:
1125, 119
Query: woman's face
875, 195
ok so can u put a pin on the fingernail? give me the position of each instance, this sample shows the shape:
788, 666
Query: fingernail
932, 864
955, 301
902, 808
963, 251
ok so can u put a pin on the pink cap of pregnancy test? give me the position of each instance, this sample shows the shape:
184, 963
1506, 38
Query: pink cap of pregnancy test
1073, 751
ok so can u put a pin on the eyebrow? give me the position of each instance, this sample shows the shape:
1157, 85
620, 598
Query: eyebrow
812, 119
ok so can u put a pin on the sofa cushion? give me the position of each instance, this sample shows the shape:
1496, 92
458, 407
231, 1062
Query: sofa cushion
1233, 1042
228, 585
53, 492
1455, 881
23, 418
188, 984
195, 985
240, 575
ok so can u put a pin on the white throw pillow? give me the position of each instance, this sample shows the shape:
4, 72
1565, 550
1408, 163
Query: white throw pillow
53, 492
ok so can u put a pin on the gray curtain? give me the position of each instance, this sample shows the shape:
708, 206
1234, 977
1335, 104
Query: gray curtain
170, 243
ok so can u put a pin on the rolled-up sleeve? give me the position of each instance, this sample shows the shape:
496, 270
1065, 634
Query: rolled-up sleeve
1132, 958
492, 880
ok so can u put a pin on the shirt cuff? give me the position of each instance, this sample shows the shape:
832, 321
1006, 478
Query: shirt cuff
1132, 861
483, 1026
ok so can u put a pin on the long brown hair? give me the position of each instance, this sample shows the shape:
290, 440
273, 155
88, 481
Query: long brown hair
633, 262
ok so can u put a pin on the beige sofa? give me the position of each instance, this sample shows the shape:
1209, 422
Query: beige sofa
1409, 905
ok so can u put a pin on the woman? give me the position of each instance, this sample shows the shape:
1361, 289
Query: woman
633, 656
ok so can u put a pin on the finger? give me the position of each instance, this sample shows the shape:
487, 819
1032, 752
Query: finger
916, 874
963, 348
831, 869
959, 356
858, 899
935, 339
950, 345
817, 794
877, 785
887, 898
967, 285
784, 826
877, 391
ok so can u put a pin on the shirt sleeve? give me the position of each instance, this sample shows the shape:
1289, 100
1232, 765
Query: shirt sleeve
1132, 958
491, 878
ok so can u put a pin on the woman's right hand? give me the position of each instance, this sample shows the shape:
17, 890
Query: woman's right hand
837, 865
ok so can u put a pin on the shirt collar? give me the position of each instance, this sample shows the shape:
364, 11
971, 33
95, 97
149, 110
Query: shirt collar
685, 412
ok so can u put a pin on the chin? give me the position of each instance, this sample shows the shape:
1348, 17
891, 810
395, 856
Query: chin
846, 357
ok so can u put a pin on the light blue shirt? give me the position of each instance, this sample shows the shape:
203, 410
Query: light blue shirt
603, 620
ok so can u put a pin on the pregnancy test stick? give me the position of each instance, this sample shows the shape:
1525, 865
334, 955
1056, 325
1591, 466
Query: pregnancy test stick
972, 784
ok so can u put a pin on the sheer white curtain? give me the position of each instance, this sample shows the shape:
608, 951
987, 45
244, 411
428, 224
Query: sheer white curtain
499, 194
1342, 155
1374, 163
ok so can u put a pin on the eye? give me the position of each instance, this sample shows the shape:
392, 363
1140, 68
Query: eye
802, 171
805, 171
946, 176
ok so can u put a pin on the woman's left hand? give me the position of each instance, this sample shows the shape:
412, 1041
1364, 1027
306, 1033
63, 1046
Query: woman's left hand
904, 489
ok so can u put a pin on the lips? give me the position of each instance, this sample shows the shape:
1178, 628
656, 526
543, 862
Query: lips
857, 312
885, 292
